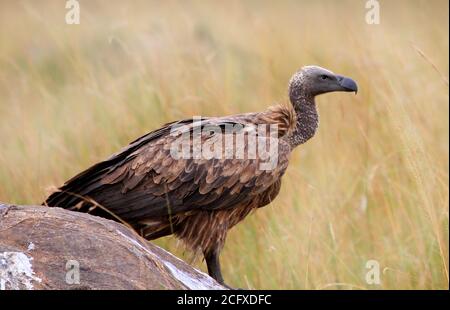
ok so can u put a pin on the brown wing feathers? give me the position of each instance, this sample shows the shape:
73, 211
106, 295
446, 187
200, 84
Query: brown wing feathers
144, 181
85, 182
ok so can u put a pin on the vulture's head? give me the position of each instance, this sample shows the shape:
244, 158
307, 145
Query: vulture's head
311, 81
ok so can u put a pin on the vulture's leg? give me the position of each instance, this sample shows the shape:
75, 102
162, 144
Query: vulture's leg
213, 263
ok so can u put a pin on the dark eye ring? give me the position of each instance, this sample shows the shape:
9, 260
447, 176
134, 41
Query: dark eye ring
324, 77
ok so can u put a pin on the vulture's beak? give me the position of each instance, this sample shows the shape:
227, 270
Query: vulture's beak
347, 84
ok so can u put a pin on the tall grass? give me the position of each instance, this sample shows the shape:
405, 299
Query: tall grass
371, 185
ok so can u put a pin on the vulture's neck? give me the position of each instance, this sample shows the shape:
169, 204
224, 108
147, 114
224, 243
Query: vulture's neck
307, 120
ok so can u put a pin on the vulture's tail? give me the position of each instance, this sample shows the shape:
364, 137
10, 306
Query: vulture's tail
79, 188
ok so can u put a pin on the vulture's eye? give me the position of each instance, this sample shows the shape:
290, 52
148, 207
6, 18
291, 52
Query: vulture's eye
324, 77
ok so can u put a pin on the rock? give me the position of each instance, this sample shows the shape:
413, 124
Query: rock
53, 248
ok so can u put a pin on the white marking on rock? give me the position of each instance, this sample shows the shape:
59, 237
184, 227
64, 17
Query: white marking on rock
196, 281
213, 284
30, 246
16, 271
190, 281
137, 244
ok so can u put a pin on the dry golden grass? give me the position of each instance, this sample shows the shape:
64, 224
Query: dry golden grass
372, 184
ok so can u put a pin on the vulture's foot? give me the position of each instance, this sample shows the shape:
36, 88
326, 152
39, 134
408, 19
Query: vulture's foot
213, 263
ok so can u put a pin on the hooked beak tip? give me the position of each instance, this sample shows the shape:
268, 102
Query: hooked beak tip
348, 84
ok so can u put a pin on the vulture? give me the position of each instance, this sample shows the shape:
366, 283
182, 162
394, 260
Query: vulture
198, 196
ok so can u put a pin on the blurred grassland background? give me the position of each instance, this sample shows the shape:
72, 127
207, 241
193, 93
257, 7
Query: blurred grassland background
373, 182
